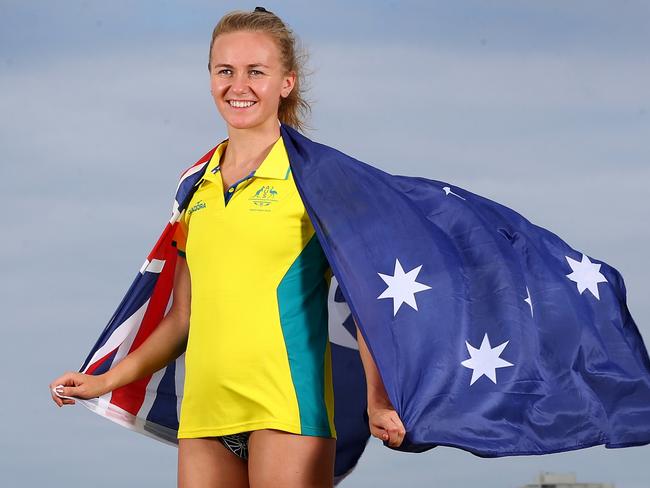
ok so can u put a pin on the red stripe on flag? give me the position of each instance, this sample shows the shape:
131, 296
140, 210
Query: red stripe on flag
130, 397
91, 369
206, 157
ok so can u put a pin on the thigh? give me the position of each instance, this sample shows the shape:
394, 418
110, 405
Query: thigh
206, 463
282, 459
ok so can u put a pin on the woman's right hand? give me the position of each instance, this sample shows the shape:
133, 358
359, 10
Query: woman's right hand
79, 385
166, 343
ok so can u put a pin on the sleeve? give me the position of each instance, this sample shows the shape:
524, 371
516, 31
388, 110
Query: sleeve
180, 235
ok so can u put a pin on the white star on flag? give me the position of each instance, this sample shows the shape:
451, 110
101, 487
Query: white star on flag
586, 275
529, 301
402, 287
448, 191
486, 360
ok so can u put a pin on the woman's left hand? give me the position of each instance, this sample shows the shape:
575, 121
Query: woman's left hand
386, 425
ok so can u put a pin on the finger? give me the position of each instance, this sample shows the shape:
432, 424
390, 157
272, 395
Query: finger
379, 432
401, 431
391, 432
393, 436
66, 379
400, 437
58, 386
396, 420
65, 391
396, 431
56, 399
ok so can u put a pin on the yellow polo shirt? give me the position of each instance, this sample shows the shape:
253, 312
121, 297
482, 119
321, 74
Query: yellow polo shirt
258, 354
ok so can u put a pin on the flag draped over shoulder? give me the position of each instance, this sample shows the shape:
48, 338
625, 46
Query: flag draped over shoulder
491, 334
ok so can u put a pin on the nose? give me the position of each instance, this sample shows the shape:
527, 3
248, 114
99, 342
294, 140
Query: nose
239, 84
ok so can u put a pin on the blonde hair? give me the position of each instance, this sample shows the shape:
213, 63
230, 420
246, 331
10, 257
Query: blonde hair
294, 108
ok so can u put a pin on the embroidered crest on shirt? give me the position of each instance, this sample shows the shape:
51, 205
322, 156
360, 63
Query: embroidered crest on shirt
264, 198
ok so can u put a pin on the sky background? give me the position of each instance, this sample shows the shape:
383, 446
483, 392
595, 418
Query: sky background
542, 106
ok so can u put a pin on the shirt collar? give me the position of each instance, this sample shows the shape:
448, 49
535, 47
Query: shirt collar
275, 165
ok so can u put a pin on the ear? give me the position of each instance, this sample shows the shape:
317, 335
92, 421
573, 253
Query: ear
288, 84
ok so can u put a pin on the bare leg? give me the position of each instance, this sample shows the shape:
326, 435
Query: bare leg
280, 459
206, 463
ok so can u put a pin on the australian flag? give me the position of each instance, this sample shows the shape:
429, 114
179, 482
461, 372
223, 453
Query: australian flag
491, 334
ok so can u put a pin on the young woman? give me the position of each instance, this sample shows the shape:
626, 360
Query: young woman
258, 403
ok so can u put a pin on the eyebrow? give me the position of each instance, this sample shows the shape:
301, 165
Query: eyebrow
231, 66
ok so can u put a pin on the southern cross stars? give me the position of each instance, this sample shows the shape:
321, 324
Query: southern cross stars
586, 275
402, 287
486, 360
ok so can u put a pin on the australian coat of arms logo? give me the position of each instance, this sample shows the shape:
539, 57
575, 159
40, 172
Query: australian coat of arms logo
264, 197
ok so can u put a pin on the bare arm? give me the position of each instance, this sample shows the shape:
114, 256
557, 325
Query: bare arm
377, 395
383, 420
166, 343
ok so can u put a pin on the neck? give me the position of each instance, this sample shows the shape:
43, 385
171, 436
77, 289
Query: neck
247, 148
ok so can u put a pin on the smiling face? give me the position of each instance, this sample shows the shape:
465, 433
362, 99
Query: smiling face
247, 78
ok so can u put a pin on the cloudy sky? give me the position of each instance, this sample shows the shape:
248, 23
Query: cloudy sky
543, 106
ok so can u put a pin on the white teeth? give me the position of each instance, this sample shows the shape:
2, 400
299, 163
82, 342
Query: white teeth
238, 104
